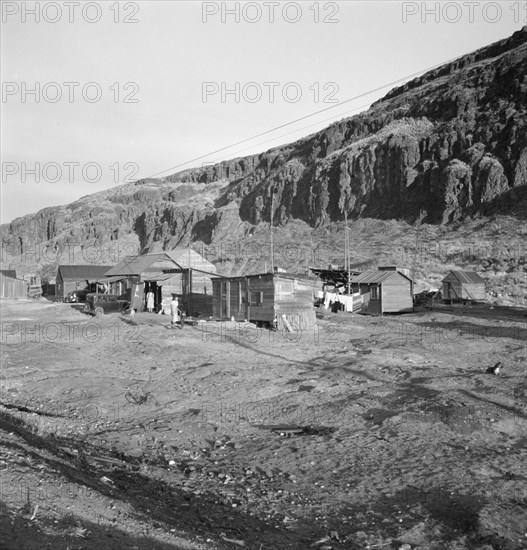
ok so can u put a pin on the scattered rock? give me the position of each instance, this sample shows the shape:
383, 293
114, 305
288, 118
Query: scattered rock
416, 535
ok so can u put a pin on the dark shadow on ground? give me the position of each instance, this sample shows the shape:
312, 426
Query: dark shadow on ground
501, 313
456, 331
155, 500
18, 533
516, 411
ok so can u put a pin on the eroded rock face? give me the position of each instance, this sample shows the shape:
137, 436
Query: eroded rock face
452, 142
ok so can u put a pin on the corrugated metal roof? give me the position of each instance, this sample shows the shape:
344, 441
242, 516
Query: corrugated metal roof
468, 277
8, 273
82, 272
135, 265
374, 276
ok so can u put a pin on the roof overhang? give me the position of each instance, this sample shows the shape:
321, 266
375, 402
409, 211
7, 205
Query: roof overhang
107, 280
164, 277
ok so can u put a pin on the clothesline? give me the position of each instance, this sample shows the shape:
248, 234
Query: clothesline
346, 300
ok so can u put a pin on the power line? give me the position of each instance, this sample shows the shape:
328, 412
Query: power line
295, 131
303, 117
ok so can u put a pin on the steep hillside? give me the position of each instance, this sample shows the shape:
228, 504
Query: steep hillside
445, 148
452, 142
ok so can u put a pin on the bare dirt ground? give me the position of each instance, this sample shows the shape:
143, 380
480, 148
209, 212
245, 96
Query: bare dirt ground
362, 432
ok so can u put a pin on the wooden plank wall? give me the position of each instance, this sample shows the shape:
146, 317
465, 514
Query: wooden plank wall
192, 298
174, 285
12, 288
63, 288
265, 297
365, 297
216, 299
397, 295
295, 298
238, 299
474, 291
261, 299
372, 306
201, 283
200, 305
465, 291
452, 290
196, 261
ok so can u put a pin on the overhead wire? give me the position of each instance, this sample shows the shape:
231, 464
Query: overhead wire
364, 94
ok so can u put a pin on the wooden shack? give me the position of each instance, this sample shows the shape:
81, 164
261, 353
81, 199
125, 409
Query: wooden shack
384, 291
182, 272
266, 297
10, 286
77, 277
200, 273
463, 286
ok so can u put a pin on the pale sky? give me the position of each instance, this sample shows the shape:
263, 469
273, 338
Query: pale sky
167, 56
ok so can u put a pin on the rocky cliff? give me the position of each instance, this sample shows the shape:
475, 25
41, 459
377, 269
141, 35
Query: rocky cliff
448, 145
452, 142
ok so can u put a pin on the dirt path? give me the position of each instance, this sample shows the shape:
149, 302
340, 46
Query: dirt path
360, 433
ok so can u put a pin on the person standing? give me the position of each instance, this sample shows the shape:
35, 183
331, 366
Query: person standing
181, 320
150, 301
174, 309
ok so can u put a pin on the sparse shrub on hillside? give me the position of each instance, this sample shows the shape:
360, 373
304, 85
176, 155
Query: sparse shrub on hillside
496, 228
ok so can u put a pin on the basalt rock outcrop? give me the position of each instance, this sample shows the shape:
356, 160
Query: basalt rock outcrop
447, 145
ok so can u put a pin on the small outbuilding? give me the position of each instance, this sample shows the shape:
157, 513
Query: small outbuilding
267, 299
200, 275
383, 291
182, 272
10, 286
463, 286
77, 277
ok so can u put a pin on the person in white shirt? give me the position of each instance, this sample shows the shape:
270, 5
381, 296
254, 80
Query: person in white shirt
150, 301
174, 311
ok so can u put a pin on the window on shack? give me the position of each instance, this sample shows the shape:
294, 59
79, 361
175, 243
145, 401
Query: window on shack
374, 292
255, 298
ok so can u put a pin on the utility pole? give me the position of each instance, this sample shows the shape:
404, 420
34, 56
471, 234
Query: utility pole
272, 243
419, 221
346, 252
